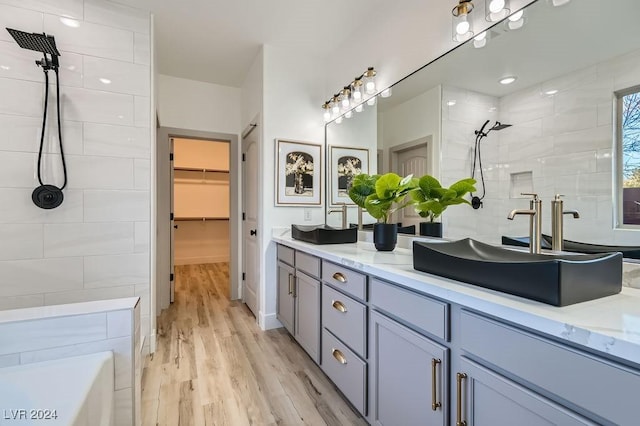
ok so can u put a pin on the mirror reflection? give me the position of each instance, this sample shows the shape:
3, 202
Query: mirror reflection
559, 78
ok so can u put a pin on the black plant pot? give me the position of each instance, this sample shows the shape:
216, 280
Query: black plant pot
431, 229
385, 236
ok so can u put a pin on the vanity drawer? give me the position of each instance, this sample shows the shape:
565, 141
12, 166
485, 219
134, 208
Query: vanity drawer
415, 309
308, 264
348, 281
597, 385
286, 254
345, 369
345, 318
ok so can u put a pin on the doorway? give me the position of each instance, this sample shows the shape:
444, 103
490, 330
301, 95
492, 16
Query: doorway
203, 226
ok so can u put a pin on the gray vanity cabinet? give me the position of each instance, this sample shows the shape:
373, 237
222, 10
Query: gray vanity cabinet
485, 398
409, 376
298, 301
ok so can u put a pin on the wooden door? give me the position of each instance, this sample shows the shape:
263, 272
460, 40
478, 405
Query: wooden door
413, 161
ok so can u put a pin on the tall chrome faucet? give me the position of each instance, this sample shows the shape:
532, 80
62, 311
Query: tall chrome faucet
557, 214
535, 222
343, 210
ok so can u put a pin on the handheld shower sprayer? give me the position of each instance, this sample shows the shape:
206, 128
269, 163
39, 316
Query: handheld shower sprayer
476, 202
45, 196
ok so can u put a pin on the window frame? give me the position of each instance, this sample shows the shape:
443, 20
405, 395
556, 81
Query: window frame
618, 168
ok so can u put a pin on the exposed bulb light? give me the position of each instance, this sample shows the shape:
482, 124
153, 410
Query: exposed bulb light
508, 80
326, 115
70, 22
496, 10
480, 40
352, 96
462, 29
386, 92
335, 105
369, 81
104, 80
356, 89
345, 102
371, 101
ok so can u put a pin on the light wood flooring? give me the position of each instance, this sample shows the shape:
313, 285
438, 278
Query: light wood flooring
214, 366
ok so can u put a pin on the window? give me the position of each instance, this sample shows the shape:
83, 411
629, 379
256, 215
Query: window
629, 157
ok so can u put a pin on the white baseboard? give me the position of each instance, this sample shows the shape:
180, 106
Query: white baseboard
152, 341
201, 260
269, 322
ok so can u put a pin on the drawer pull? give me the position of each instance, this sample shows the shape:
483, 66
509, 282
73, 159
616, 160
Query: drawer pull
339, 356
339, 306
434, 397
459, 378
338, 276
291, 284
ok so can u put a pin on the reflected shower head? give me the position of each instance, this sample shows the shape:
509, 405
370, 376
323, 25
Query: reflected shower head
499, 126
34, 41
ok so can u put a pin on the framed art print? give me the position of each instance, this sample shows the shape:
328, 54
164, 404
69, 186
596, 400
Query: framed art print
298, 173
345, 164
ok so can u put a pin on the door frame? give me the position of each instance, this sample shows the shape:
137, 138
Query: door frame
161, 286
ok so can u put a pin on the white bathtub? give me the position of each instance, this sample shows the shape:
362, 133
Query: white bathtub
74, 391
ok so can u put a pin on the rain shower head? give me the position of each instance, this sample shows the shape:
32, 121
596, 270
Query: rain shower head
34, 41
499, 126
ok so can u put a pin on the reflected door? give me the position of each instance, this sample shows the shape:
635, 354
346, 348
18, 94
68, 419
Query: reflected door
411, 161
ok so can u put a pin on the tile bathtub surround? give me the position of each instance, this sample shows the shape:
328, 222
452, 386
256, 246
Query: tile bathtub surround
61, 331
67, 254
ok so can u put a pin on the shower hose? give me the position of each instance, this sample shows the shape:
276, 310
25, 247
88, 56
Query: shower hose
44, 125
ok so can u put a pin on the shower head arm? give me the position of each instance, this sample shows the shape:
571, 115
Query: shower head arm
48, 64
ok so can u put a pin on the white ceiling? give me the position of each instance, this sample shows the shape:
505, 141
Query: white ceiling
217, 40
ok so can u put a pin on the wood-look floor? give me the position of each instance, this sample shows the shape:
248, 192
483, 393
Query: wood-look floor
214, 366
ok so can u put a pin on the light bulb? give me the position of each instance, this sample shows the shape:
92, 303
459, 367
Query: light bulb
516, 16
496, 6
326, 116
345, 103
370, 87
357, 94
481, 36
360, 107
371, 101
335, 109
462, 27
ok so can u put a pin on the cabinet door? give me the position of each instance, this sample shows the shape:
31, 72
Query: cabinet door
286, 292
404, 389
307, 317
493, 400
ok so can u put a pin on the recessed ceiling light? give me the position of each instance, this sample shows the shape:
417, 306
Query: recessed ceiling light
508, 80
70, 22
105, 80
452, 102
551, 92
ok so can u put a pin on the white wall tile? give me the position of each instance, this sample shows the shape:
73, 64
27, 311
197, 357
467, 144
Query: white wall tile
142, 111
116, 15
123, 403
26, 336
123, 77
121, 348
18, 169
18, 302
142, 291
20, 242
116, 206
19, 19
116, 141
119, 324
97, 106
91, 39
21, 97
23, 134
591, 139
141, 49
110, 271
141, 241
87, 239
25, 277
9, 360
17, 207
570, 164
578, 118
100, 172
86, 295
142, 174
70, 8
604, 158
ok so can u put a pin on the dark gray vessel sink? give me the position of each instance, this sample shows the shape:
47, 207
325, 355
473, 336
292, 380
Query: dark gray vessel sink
558, 280
324, 234
629, 252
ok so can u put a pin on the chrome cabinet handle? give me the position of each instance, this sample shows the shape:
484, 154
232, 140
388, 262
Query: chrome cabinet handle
339, 277
434, 386
339, 356
339, 306
459, 378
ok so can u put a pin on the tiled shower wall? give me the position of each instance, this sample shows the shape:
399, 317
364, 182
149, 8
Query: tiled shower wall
564, 141
96, 244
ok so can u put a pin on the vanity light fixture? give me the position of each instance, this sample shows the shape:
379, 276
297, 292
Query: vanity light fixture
462, 28
353, 96
326, 115
335, 105
480, 40
345, 100
496, 10
508, 80
370, 81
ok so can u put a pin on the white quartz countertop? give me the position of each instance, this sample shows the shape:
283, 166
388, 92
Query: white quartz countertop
610, 325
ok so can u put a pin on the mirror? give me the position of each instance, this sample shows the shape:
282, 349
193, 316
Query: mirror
569, 61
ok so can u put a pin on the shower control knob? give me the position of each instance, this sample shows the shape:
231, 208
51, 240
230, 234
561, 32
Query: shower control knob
47, 196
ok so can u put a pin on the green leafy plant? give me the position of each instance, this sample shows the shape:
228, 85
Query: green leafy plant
430, 198
382, 195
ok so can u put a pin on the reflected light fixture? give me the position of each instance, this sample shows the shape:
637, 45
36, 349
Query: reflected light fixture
353, 96
360, 108
480, 40
348, 114
371, 101
496, 10
386, 93
462, 28
557, 3
338, 120
516, 20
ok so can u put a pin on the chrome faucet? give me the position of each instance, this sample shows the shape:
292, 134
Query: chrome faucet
342, 210
535, 222
557, 226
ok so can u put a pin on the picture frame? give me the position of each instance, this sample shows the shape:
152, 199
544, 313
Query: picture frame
346, 162
298, 173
